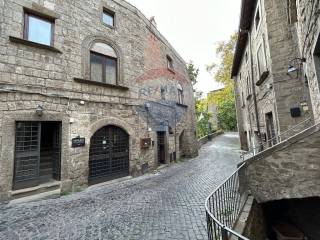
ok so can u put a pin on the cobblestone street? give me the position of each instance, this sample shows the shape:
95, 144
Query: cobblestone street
165, 205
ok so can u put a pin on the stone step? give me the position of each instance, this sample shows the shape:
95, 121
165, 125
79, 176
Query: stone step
37, 197
45, 171
42, 188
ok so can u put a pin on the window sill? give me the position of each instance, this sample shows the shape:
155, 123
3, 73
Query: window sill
33, 44
80, 80
109, 26
182, 105
263, 77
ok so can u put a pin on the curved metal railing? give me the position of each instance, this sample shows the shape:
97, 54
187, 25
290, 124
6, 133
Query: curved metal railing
223, 208
278, 139
224, 205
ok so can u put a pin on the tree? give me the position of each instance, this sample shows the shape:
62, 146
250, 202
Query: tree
193, 73
224, 99
201, 111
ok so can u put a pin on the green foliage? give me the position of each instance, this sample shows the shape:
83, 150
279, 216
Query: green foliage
203, 118
225, 99
201, 110
193, 73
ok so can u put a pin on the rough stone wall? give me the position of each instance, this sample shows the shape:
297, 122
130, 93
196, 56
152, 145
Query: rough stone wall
290, 90
255, 228
308, 28
279, 92
288, 170
264, 93
30, 76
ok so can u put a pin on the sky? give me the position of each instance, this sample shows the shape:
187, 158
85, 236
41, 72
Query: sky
194, 28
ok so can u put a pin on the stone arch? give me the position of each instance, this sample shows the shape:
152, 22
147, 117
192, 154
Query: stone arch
110, 121
87, 45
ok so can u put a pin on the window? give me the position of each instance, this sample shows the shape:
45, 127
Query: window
261, 60
108, 17
248, 87
170, 63
292, 11
38, 29
257, 18
180, 94
242, 100
103, 64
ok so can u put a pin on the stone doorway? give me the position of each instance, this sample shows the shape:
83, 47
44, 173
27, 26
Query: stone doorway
293, 217
37, 154
109, 155
271, 134
161, 136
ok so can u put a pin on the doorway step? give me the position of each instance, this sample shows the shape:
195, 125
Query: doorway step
40, 192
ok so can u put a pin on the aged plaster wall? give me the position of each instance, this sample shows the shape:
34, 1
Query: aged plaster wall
31, 76
288, 170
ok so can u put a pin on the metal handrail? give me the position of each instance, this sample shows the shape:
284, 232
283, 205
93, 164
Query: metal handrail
223, 207
277, 138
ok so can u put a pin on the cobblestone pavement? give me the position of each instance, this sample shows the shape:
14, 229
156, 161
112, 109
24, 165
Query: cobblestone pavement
165, 205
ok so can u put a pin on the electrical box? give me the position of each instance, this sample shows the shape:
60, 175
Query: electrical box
145, 142
295, 112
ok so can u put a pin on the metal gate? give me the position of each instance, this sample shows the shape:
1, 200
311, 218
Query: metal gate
27, 154
109, 155
161, 147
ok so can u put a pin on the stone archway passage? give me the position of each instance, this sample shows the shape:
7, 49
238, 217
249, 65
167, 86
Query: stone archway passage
109, 155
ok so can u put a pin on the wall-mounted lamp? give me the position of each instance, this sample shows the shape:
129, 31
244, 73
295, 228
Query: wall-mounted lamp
292, 69
147, 106
292, 66
39, 110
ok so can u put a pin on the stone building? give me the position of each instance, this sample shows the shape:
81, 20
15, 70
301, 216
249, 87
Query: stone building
269, 99
90, 91
283, 176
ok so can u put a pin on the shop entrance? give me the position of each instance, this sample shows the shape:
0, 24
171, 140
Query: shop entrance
37, 153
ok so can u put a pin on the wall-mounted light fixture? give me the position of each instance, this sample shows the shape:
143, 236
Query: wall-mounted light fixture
39, 110
295, 66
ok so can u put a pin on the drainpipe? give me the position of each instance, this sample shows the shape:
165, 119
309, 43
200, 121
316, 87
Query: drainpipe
254, 88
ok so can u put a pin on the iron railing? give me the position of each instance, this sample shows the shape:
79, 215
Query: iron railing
224, 205
223, 208
277, 139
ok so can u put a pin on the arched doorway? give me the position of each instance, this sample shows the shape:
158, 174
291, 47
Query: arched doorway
109, 155
181, 144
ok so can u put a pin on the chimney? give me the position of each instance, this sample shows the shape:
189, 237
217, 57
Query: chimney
153, 21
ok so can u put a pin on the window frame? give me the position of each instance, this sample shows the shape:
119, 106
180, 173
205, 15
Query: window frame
249, 87
170, 64
257, 26
264, 60
180, 96
104, 57
110, 13
41, 17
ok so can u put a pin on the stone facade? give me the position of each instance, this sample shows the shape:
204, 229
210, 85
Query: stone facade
289, 170
308, 30
144, 101
264, 90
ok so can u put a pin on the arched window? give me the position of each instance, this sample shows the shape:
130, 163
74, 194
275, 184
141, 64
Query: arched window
103, 64
180, 94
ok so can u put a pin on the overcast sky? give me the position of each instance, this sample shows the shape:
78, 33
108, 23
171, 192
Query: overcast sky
194, 28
